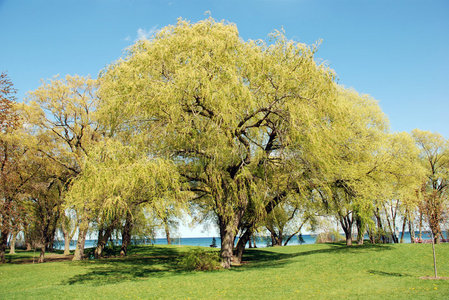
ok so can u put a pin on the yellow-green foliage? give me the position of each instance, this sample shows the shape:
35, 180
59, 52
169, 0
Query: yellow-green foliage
115, 179
232, 114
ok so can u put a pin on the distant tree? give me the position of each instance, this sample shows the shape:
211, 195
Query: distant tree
214, 243
63, 112
435, 190
15, 173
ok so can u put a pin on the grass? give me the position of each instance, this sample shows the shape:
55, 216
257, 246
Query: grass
326, 271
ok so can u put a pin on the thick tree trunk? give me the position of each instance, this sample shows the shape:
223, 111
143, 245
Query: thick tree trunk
51, 240
12, 243
346, 224
3, 244
82, 233
360, 230
100, 245
240, 248
103, 238
42, 254
68, 235
126, 234
227, 244
67, 241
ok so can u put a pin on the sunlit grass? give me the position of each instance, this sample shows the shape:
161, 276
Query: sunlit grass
308, 271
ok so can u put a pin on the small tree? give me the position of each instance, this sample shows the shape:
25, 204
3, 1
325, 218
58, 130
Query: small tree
214, 243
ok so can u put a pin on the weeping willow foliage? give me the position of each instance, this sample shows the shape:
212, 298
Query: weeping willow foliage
116, 179
242, 120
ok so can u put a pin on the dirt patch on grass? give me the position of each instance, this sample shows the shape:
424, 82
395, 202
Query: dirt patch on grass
434, 278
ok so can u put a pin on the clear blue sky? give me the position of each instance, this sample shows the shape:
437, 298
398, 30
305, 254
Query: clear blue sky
397, 51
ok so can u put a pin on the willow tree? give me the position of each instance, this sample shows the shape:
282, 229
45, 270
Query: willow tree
63, 114
434, 155
354, 175
116, 181
403, 178
219, 107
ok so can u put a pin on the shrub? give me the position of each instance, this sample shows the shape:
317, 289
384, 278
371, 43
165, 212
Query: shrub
329, 237
200, 260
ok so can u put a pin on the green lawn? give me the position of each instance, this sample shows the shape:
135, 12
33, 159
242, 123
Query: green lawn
330, 271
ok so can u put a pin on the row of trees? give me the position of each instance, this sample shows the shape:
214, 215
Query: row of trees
249, 134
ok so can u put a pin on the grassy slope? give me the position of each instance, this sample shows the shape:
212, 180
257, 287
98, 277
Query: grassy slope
307, 271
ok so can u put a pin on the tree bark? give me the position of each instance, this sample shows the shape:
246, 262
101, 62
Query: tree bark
67, 241
360, 230
346, 224
12, 243
412, 231
82, 233
420, 225
126, 234
42, 254
241, 245
227, 236
276, 238
68, 235
3, 244
167, 231
404, 223
103, 238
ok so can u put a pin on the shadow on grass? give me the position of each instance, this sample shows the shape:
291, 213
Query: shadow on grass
389, 274
145, 262
142, 262
271, 258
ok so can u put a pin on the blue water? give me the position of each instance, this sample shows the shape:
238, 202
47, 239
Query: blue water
207, 241
200, 241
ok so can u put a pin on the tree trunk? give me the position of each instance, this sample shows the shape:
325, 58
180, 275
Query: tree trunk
3, 244
420, 225
67, 241
126, 234
68, 235
276, 238
167, 231
227, 244
51, 240
241, 245
404, 222
381, 233
228, 228
346, 224
392, 228
412, 231
103, 238
254, 241
82, 233
42, 254
12, 243
360, 230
